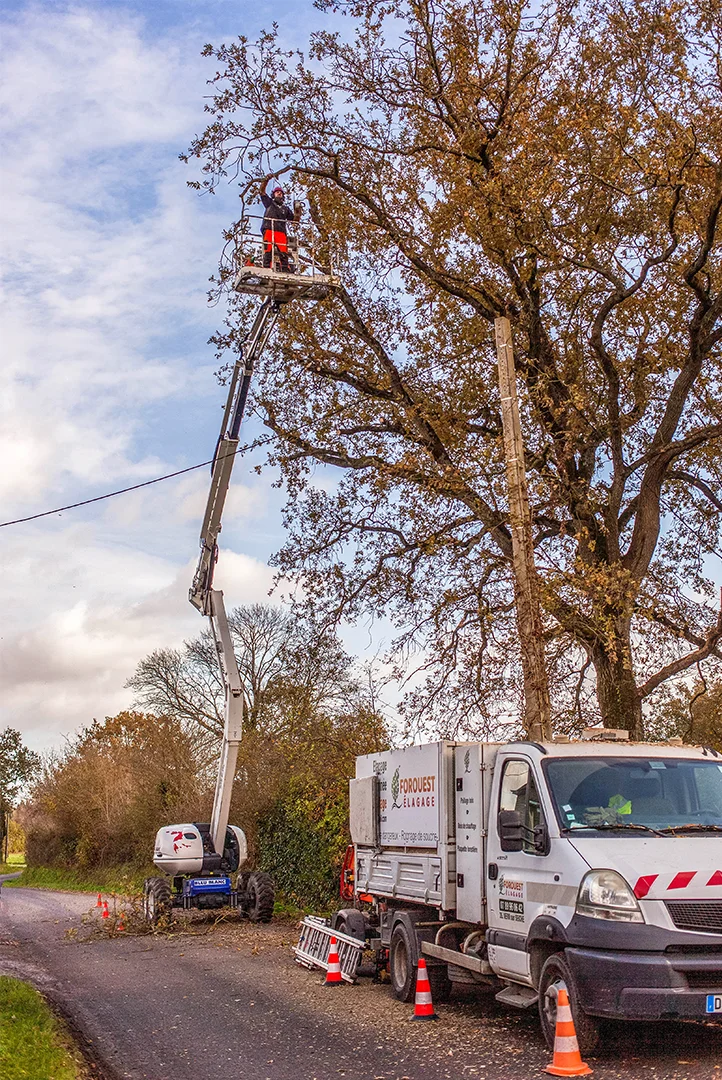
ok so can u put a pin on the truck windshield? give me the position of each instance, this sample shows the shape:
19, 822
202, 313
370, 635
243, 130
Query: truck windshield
680, 796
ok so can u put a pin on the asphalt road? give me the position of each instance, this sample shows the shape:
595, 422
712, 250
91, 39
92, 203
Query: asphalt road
227, 1001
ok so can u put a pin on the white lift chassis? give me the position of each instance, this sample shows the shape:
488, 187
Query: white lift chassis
200, 860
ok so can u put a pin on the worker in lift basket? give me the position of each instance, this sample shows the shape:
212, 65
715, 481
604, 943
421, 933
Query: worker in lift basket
273, 228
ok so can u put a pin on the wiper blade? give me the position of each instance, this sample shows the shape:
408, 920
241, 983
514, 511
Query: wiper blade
621, 825
692, 827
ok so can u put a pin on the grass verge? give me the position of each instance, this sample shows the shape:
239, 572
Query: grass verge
34, 1044
11, 868
125, 880
15, 862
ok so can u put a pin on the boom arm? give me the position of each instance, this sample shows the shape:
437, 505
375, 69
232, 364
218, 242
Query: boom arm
232, 720
202, 595
226, 449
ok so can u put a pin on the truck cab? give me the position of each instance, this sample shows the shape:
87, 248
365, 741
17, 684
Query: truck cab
594, 865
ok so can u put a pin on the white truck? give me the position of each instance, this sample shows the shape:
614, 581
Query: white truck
525, 866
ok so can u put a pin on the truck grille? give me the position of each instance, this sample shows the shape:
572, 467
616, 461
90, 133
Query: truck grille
705, 980
702, 915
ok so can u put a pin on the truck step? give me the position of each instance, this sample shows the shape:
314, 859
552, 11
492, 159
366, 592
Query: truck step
521, 997
313, 946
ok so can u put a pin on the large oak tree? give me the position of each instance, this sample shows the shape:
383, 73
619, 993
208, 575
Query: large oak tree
558, 163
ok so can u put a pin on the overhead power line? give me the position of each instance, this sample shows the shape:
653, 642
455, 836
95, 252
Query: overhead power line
120, 491
241, 450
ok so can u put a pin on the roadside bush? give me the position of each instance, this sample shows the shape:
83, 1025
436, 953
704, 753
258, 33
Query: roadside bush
101, 802
302, 841
303, 835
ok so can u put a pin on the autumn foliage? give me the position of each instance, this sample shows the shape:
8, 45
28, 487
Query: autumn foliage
308, 714
101, 801
558, 163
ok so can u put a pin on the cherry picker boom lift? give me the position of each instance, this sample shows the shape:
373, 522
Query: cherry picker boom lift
199, 860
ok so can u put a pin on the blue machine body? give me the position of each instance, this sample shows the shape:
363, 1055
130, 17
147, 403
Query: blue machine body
204, 885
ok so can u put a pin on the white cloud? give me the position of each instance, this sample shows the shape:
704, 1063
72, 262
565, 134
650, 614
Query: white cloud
74, 637
106, 379
105, 251
243, 580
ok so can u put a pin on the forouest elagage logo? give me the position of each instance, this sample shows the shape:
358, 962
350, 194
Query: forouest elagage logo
412, 792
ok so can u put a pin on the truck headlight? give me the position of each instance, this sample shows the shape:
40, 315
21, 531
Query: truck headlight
604, 894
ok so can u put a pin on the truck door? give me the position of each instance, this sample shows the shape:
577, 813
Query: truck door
517, 879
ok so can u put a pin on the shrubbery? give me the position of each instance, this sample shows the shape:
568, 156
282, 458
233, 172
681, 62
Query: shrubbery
101, 801
302, 834
301, 844
302, 841
99, 804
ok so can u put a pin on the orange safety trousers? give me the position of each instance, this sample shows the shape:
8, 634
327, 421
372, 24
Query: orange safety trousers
279, 240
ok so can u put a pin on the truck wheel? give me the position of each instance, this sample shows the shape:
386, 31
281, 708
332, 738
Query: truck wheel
555, 974
440, 983
261, 896
351, 922
402, 961
158, 900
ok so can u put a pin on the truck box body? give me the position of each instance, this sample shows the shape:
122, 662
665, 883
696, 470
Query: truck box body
410, 850
419, 820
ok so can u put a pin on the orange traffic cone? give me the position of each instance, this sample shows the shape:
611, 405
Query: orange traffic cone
567, 1059
423, 1006
100, 901
105, 914
333, 974
120, 925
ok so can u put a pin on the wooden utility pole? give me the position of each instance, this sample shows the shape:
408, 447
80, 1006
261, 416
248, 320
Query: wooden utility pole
526, 585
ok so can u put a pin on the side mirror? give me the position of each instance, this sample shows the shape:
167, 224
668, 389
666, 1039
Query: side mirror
541, 839
510, 830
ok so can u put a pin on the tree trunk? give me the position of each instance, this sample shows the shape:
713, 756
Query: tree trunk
616, 686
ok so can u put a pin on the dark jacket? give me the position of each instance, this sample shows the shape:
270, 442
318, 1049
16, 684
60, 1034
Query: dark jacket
275, 216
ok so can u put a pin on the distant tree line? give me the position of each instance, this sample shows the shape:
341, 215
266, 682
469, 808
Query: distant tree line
18, 766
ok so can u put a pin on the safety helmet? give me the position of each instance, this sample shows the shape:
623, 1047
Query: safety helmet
278, 191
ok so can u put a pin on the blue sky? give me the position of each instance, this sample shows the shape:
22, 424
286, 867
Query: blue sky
107, 379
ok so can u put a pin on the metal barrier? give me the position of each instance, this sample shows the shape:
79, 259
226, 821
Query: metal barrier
313, 947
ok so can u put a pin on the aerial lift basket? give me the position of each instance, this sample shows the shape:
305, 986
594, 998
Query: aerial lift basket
313, 947
305, 278
263, 281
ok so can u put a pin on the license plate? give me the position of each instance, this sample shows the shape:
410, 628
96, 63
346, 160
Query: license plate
714, 1003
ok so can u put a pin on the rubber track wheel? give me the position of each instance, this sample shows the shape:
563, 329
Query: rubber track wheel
261, 897
160, 889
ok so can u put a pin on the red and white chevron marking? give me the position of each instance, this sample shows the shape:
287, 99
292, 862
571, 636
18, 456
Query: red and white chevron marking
681, 880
